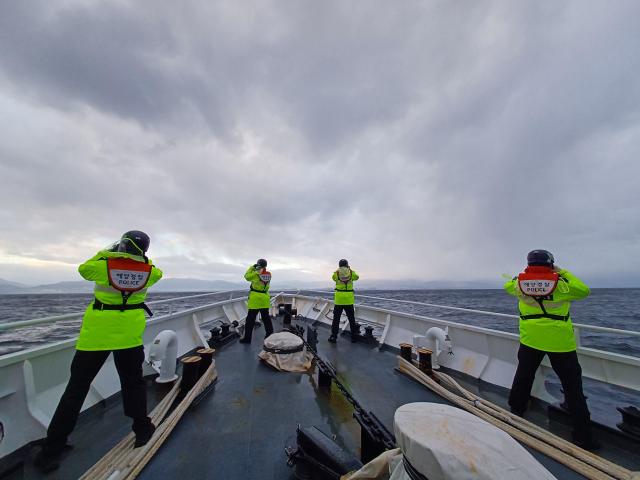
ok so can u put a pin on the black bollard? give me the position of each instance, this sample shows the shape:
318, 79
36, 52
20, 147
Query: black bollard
312, 337
225, 329
368, 332
286, 319
424, 360
406, 351
206, 354
190, 372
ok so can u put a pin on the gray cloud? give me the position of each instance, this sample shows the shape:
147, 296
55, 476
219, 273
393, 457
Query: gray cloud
421, 140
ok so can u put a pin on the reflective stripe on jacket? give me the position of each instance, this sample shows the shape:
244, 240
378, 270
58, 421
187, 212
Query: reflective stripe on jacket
112, 329
259, 294
344, 291
545, 333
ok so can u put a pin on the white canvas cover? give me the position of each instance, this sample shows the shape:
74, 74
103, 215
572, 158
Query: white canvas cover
447, 443
377, 469
287, 362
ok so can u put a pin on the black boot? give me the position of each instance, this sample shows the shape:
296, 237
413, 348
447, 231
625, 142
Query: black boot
268, 326
48, 458
248, 330
333, 339
143, 428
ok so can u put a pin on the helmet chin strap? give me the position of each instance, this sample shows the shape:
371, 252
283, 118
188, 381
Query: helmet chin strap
135, 245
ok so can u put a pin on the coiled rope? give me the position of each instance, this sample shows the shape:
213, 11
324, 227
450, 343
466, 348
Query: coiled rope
585, 463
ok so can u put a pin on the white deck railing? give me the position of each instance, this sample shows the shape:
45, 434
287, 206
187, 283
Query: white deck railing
67, 316
580, 326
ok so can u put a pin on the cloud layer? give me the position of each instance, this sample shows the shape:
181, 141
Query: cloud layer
426, 140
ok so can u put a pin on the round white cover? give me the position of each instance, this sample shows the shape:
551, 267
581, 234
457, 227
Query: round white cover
285, 340
447, 443
286, 362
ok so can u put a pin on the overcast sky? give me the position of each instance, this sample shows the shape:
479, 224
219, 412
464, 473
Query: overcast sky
433, 140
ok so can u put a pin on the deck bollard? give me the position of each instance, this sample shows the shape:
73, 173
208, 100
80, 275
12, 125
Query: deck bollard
406, 350
368, 332
190, 372
312, 337
206, 354
225, 329
424, 360
286, 319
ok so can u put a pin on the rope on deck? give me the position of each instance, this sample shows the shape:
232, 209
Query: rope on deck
111, 459
124, 462
581, 461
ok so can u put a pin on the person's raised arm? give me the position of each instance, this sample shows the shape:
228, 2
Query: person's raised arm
577, 289
511, 286
94, 268
251, 274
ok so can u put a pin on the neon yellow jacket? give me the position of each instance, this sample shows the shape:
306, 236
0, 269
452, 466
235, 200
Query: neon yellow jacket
344, 291
259, 294
112, 329
544, 333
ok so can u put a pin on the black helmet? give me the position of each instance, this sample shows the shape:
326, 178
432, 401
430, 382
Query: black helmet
540, 258
134, 242
343, 263
262, 263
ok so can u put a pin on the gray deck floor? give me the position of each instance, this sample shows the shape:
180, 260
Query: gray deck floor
240, 429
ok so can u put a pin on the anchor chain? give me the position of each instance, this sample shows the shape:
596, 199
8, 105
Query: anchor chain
366, 419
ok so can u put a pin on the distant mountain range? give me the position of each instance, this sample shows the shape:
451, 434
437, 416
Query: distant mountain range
196, 285
80, 286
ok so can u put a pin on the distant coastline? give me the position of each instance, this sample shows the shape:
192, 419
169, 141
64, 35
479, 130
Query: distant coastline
178, 285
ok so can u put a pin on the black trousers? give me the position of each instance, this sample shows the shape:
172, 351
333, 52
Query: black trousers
251, 321
84, 367
566, 366
337, 313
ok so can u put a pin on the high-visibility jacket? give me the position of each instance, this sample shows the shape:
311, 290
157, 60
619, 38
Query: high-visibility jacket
112, 329
544, 333
344, 291
259, 293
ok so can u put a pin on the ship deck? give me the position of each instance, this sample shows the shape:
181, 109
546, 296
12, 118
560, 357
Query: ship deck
240, 429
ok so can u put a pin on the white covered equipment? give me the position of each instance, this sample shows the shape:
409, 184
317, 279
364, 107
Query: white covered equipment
285, 351
447, 443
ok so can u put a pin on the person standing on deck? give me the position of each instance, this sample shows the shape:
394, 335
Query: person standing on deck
113, 323
259, 300
343, 299
545, 292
